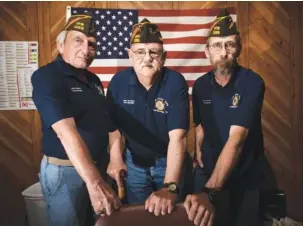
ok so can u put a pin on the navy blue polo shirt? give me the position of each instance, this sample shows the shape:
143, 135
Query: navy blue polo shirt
61, 91
217, 108
146, 117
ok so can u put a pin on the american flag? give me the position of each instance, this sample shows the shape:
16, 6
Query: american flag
184, 35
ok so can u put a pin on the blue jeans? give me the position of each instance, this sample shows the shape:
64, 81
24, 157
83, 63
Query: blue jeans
65, 194
141, 182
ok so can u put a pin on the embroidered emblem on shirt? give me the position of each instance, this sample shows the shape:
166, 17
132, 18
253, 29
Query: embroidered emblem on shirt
100, 90
128, 101
235, 100
160, 105
206, 101
76, 89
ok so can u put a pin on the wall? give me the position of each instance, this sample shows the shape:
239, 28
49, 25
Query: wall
271, 33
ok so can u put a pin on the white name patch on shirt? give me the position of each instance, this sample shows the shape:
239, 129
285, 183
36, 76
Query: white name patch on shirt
76, 89
206, 101
128, 101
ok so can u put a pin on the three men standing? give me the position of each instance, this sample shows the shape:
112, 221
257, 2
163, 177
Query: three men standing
147, 121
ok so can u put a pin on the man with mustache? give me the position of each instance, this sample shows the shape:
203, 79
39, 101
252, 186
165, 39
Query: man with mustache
227, 105
74, 117
150, 107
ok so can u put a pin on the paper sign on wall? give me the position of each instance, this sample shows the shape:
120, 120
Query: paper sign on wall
18, 61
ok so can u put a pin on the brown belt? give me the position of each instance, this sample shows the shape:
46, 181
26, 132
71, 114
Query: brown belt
58, 162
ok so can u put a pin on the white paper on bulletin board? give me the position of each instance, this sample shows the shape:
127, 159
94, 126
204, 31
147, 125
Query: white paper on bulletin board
18, 61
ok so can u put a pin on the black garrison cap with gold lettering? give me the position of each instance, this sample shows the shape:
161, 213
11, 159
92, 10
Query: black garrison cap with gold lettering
145, 32
83, 23
223, 25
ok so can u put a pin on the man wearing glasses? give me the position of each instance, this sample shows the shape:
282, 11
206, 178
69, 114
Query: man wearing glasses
150, 107
227, 104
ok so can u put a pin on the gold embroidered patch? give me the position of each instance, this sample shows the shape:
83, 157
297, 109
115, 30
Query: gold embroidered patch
160, 105
235, 101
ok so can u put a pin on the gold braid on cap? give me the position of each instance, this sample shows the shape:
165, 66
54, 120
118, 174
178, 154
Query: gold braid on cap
76, 19
139, 25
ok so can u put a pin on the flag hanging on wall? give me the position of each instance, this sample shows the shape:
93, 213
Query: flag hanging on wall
184, 35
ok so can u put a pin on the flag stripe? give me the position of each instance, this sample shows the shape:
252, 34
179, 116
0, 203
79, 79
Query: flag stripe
195, 40
192, 76
184, 47
181, 69
187, 62
190, 83
190, 90
180, 34
183, 27
168, 62
183, 13
193, 69
105, 77
105, 84
106, 70
111, 63
185, 54
187, 76
181, 20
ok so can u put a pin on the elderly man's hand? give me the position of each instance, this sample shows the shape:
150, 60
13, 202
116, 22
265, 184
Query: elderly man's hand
114, 168
103, 198
161, 202
199, 209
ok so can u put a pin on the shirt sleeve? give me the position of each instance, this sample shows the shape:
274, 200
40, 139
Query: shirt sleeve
178, 115
250, 105
50, 97
195, 104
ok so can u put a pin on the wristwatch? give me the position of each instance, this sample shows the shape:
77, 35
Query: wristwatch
212, 194
172, 187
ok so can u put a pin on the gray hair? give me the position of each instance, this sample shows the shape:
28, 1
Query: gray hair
61, 37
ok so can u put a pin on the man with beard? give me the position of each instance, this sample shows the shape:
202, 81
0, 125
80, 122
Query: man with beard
227, 104
150, 107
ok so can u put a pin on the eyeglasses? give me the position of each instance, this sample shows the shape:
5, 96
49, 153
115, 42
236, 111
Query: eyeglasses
229, 46
154, 54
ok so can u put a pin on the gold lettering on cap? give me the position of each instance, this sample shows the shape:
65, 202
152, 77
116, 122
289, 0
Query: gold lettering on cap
79, 26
